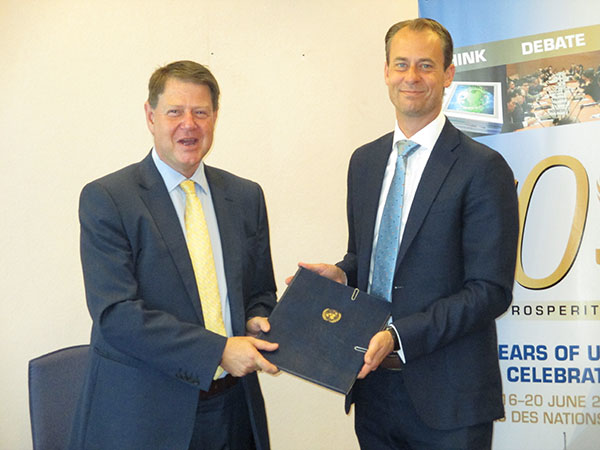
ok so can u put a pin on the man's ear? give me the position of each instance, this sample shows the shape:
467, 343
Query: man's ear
386, 69
149, 117
449, 75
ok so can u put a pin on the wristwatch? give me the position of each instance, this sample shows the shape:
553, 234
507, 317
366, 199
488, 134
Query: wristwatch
392, 331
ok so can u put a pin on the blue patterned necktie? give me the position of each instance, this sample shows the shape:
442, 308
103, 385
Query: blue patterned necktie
387, 248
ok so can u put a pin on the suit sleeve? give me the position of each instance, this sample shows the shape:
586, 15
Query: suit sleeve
260, 298
136, 331
349, 263
477, 278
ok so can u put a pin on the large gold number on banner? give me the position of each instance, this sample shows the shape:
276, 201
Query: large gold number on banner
577, 226
598, 249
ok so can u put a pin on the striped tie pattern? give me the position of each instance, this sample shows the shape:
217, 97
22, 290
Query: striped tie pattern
200, 249
387, 248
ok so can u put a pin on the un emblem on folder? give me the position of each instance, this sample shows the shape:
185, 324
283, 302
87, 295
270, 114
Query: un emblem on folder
331, 315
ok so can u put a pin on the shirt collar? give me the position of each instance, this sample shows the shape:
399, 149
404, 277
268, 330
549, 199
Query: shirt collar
173, 179
427, 136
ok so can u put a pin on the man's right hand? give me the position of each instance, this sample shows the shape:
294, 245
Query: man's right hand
241, 356
325, 270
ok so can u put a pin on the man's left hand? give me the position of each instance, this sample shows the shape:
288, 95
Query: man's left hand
381, 345
257, 324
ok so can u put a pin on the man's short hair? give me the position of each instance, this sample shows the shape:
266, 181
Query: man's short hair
421, 24
188, 71
510, 95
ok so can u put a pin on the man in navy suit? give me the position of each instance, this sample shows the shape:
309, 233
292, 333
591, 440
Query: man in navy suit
431, 379
149, 383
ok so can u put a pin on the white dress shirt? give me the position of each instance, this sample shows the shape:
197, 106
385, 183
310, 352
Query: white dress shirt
415, 165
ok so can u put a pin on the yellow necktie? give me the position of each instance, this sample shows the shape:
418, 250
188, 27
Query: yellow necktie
198, 242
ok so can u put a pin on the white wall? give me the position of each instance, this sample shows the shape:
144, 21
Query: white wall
302, 85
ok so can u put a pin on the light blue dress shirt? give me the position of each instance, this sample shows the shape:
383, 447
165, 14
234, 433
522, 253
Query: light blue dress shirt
172, 180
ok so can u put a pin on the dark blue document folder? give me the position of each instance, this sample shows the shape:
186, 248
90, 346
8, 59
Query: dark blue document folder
323, 328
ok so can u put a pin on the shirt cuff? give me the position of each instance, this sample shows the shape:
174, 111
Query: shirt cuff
401, 351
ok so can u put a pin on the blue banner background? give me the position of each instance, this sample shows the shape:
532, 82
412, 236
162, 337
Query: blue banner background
544, 415
478, 21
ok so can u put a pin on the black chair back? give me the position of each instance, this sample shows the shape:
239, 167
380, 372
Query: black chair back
55, 384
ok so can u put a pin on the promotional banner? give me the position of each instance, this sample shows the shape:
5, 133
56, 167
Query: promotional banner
528, 85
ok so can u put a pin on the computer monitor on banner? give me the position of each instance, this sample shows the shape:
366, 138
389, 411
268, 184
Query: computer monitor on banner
475, 106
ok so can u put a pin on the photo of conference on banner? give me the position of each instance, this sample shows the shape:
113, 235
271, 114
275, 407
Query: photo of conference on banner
537, 93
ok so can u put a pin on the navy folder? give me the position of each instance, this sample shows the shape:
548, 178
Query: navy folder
323, 329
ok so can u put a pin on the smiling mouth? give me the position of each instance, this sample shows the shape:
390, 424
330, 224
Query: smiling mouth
188, 142
409, 92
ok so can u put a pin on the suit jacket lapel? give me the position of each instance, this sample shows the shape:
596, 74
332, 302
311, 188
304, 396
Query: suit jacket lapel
440, 162
156, 197
370, 185
227, 212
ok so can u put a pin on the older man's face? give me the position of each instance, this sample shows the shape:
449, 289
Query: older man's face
183, 124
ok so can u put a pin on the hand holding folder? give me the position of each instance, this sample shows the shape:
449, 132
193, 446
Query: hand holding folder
323, 329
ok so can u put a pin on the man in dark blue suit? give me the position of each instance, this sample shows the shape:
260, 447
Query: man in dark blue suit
153, 380
431, 379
